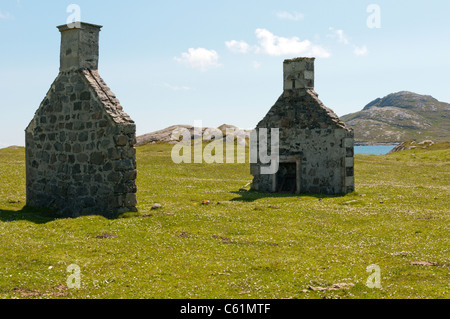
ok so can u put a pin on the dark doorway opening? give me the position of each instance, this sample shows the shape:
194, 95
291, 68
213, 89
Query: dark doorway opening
287, 178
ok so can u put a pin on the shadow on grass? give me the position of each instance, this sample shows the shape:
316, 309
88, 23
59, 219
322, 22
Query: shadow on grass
251, 195
42, 215
31, 214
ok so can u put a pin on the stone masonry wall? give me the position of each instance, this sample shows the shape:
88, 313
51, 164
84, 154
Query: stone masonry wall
315, 136
80, 154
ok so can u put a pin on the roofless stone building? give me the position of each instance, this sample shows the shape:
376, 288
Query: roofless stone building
315, 148
80, 156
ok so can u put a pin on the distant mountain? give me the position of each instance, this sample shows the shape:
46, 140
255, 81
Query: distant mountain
399, 117
173, 134
395, 118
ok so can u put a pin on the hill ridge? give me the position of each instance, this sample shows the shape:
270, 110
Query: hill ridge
401, 116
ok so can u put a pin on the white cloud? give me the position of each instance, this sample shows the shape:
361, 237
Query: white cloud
275, 45
339, 34
271, 44
237, 46
342, 38
295, 16
360, 51
177, 88
200, 58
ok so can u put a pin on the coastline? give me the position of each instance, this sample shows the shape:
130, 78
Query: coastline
377, 143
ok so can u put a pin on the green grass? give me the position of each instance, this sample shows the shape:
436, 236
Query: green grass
236, 247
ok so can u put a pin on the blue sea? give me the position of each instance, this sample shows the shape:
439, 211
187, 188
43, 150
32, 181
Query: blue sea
374, 150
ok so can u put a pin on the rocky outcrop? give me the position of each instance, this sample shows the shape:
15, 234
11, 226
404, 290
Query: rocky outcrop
171, 134
410, 145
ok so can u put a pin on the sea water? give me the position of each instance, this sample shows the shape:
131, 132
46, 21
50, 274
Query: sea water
374, 150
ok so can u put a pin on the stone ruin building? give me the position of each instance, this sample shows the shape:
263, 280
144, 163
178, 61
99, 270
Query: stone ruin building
80, 155
315, 147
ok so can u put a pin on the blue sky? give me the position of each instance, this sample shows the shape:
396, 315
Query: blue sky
174, 62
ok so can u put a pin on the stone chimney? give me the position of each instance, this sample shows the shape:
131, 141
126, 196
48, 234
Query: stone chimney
298, 73
79, 46
80, 156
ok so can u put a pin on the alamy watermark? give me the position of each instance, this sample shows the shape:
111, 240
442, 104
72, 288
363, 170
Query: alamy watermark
374, 19
74, 19
374, 280
190, 148
74, 279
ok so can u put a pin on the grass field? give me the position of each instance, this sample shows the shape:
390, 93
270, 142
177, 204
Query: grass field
241, 245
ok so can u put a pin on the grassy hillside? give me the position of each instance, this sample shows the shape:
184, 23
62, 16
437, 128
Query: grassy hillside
241, 245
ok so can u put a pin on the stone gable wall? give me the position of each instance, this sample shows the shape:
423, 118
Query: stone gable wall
314, 136
80, 154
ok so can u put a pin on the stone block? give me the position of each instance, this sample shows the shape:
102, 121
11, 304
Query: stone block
255, 169
129, 175
97, 158
83, 136
130, 200
82, 158
349, 162
114, 177
121, 140
349, 142
349, 181
85, 96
